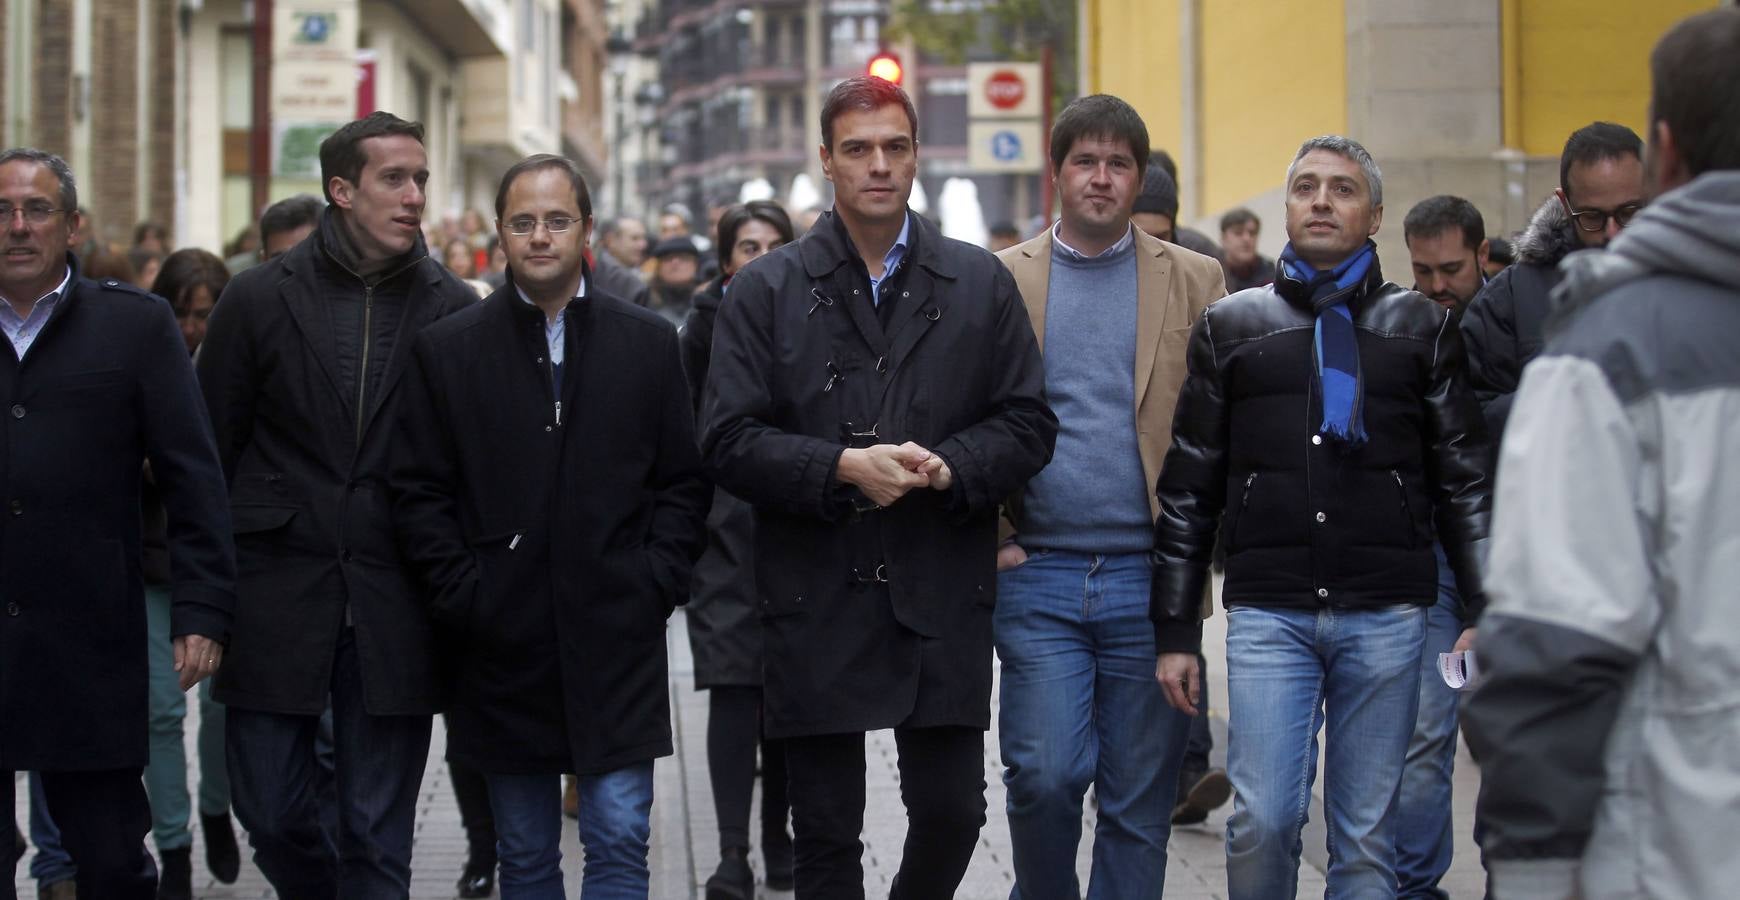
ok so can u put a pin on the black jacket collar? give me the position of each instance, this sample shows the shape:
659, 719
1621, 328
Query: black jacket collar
826, 247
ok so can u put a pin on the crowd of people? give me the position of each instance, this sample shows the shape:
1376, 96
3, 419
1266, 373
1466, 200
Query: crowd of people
369, 470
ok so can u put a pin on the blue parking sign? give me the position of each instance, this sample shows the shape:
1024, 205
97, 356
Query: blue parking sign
1006, 146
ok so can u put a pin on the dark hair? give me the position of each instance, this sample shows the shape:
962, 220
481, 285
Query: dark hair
866, 93
290, 214
69, 188
470, 256
608, 228
1435, 215
101, 263
1500, 250
1236, 217
137, 258
144, 230
342, 155
1595, 142
187, 269
536, 161
738, 216
1099, 116
1164, 160
1695, 88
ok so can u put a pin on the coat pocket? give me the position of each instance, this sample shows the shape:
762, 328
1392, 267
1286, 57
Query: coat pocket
1230, 530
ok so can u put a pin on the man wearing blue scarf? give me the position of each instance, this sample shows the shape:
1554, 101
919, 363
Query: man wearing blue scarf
1323, 435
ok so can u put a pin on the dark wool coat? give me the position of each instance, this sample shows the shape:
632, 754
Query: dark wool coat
105, 387
874, 618
307, 473
553, 545
724, 611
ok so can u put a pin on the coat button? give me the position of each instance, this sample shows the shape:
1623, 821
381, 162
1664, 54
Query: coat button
1323, 593
548, 428
12, 609
1316, 439
17, 410
1321, 518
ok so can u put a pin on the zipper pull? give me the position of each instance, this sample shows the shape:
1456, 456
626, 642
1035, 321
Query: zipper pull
558, 412
515, 543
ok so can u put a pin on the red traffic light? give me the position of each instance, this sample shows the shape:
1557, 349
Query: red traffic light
886, 66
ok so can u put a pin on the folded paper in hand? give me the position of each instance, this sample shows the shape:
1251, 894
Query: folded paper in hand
1458, 669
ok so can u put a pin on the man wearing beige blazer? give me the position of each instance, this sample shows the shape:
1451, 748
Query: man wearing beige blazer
1112, 308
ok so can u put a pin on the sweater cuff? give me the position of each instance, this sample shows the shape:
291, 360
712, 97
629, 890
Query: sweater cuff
1177, 637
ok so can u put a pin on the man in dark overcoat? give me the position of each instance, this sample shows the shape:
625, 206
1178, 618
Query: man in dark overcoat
875, 391
96, 383
301, 368
550, 493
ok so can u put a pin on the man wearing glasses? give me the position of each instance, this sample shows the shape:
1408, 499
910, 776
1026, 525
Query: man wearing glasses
98, 382
1600, 189
549, 490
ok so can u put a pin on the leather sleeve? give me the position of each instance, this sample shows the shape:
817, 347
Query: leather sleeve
1192, 493
1458, 459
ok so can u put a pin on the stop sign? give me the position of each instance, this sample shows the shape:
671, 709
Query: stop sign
1005, 89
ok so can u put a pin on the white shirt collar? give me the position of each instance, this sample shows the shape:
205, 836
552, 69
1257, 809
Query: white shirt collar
1119, 247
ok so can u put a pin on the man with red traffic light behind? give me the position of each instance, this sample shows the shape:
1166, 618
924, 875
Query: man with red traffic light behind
875, 391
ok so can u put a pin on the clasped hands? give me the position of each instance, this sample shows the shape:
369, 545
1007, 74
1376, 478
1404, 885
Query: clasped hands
885, 472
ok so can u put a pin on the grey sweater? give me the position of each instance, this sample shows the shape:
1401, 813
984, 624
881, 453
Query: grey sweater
1093, 497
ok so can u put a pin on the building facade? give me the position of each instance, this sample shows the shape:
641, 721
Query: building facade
154, 102
740, 85
1469, 98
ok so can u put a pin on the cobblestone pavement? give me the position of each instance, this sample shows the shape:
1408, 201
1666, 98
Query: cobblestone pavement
685, 836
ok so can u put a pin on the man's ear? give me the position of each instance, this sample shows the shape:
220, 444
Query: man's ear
1667, 166
340, 189
827, 161
1377, 219
1483, 253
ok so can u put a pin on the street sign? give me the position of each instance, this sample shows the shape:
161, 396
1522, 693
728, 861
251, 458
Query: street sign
1014, 146
1003, 90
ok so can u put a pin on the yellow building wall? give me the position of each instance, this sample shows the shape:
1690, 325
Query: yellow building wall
1133, 51
1578, 61
1269, 76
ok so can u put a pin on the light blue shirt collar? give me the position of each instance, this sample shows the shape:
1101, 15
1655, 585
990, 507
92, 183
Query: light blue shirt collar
1122, 244
892, 259
22, 332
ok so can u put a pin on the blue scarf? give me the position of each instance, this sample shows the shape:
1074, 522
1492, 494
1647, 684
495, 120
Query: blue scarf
1336, 344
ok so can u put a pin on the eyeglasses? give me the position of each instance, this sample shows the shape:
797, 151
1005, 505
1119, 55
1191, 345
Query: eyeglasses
1596, 219
34, 213
526, 224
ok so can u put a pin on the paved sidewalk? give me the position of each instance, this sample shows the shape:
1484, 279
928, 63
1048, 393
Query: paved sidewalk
685, 835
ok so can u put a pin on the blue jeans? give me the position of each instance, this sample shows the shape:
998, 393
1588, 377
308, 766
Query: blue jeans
1080, 706
51, 864
276, 783
1425, 838
615, 826
166, 774
1290, 673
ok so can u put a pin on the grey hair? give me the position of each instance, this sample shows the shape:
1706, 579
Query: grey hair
69, 188
609, 227
1347, 148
